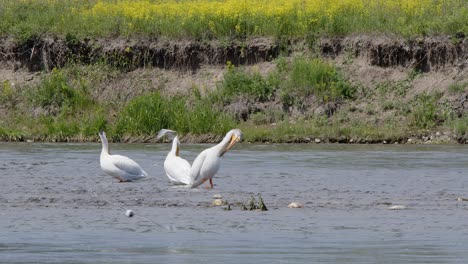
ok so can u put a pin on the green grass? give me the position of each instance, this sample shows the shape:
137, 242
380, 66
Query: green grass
307, 77
7, 134
56, 91
459, 126
425, 112
63, 106
146, 115
315, 128
458, 87
238, 82
31, 18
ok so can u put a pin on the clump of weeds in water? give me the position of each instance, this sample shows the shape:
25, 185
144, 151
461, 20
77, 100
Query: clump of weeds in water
253, 204
261, 204
228, 207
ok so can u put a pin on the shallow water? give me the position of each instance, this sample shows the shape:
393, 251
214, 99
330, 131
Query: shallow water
58, 207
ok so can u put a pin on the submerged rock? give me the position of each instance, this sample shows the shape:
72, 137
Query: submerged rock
129, 213
397, 207
295, 205
218, 202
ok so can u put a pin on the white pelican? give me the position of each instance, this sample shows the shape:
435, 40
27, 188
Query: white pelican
120, 167
177, 169
207, 163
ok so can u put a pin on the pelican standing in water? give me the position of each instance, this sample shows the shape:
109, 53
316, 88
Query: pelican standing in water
120, 167
177, 169
207, 164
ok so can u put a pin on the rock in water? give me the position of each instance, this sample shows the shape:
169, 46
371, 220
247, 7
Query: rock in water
217, 202
295, 205
397, 207
217, 196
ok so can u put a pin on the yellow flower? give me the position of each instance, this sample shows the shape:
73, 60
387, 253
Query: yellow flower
238, 28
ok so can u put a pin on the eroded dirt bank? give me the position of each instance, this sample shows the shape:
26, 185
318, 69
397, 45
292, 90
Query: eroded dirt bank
382, 66
425, 54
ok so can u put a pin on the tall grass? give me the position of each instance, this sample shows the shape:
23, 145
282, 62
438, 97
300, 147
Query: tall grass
458, 87
238, 81
231, 18
315, 77
146, 115
425, 112
55, 91
64, 107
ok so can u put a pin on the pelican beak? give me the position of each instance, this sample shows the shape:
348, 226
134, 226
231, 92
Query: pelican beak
234, 140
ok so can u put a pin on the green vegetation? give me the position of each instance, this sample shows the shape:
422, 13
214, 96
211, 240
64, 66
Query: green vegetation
424, 112
238, 82
218, 19
458, 87
308, 130
64, 105
146, 115
314, 76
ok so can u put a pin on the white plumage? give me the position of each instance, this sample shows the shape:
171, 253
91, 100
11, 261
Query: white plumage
177, 169
120, 167
207, 164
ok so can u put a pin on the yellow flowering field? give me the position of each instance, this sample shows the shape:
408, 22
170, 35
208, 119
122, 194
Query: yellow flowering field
232, 18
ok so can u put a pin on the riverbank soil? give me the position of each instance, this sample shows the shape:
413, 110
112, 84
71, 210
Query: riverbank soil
396, 90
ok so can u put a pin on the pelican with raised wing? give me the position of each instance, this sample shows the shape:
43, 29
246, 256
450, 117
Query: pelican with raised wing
207, 164
177, 169
120, 167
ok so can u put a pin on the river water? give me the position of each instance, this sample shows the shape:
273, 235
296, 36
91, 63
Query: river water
56, 206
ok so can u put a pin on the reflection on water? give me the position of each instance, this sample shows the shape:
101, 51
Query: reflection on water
58, 207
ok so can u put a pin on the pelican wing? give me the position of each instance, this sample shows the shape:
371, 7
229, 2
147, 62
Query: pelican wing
195, 172
163, 132
129, 166
177, 170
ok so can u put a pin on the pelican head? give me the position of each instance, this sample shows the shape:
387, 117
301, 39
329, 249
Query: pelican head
102, 135
105, 144
233, 136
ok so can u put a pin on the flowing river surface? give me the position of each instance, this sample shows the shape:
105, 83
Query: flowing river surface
57, 206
